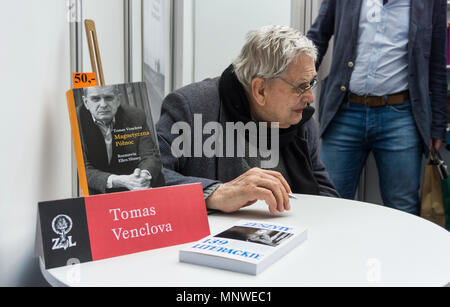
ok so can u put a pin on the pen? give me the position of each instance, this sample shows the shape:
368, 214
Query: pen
292, 196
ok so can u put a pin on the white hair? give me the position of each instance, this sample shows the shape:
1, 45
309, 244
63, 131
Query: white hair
268, 51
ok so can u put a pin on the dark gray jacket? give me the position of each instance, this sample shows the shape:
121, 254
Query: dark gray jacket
203, 98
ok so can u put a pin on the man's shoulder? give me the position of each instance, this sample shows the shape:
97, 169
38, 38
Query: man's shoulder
129, 113
83, 114
207, 85
200, 95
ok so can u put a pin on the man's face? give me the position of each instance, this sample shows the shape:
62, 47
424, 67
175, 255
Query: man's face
282, 103
102, 103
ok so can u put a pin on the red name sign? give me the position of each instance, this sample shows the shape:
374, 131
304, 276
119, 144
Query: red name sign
110, 225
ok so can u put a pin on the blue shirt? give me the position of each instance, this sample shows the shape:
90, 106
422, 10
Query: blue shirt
381, 65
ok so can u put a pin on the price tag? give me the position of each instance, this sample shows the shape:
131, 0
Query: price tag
81, 80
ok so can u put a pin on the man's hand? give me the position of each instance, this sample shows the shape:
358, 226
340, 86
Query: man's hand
145, 174
255, 184
139, 180
435, 144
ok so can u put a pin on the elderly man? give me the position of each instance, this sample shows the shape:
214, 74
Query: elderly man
270, 82
113, 166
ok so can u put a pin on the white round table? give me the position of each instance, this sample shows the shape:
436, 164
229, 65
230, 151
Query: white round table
349, 243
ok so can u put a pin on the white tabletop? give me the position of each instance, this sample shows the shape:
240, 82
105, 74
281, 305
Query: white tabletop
349, 243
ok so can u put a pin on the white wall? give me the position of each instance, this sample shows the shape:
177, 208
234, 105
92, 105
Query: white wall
220, 27
36, 152
136, 6
109, 24
35, 155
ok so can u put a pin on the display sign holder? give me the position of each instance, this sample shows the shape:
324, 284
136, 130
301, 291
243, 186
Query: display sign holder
94, 50
103, 226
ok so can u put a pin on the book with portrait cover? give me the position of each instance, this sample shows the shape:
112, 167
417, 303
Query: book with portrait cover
114, 139
247, 246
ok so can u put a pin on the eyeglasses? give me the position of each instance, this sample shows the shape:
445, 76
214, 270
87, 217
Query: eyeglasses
302, 88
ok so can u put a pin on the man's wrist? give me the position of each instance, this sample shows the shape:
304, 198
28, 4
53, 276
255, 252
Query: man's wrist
210, 190
114, 182
146, 172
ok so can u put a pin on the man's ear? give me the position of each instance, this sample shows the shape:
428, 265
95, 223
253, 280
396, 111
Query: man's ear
259, 88
84, 101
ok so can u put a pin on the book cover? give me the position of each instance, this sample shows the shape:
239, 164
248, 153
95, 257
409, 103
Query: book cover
247, 247
114, 139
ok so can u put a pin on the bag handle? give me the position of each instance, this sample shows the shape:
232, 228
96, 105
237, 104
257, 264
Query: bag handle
437, 160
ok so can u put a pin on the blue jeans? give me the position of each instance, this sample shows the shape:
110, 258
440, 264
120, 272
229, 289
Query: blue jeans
391, 134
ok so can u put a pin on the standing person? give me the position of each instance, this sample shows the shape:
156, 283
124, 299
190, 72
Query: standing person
386, 92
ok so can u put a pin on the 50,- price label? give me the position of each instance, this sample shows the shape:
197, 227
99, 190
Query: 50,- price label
81, 80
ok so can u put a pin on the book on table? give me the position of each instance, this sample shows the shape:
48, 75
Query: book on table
247, 246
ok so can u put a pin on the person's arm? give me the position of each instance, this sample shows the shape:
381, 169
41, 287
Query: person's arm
103, 181
150, 157
322, 29
97, 180
176, 110
438, 74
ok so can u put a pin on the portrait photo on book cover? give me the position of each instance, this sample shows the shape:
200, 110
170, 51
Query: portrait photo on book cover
255, 235
118, 138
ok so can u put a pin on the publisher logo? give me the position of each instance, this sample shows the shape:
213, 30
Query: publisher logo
62, 225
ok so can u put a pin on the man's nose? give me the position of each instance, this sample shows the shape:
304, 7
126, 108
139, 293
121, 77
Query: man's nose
102, 102
308, 96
